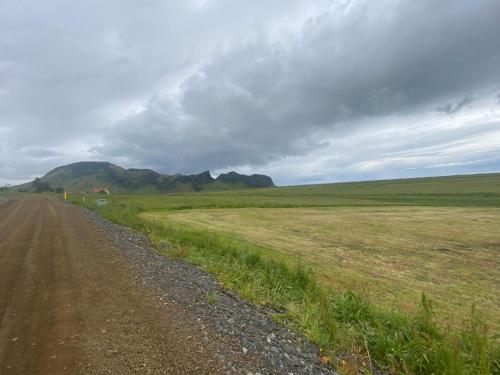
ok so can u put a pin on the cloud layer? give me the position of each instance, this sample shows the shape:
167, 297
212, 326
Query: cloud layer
322, 90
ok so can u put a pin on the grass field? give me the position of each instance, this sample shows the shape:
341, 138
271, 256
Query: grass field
346, 264
459, 191
389, 255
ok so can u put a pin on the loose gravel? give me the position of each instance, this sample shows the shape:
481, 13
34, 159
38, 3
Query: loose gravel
277, 349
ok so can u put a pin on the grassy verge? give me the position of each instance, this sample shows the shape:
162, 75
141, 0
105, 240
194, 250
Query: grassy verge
340, 323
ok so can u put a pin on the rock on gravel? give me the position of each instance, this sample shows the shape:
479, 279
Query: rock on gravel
279, 351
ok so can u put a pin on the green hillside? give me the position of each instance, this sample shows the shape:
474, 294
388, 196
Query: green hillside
86, 176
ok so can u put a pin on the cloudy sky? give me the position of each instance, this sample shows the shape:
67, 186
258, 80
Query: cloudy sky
303, 90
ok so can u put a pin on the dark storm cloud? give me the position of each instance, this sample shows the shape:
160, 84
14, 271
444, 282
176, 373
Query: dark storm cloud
184, 86
267, 99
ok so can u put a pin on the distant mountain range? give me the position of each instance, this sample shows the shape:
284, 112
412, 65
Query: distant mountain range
87, 176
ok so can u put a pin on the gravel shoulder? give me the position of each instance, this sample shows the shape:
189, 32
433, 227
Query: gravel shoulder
276, 349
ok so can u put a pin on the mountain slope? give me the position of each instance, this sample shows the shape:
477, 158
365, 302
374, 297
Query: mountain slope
85, 176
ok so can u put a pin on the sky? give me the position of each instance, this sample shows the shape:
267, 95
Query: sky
306, 91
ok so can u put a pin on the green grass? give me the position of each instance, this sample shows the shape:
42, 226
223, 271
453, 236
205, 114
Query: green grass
457, 191
339, 320
451, 253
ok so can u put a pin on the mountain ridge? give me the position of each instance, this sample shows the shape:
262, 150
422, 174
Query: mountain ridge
85, 176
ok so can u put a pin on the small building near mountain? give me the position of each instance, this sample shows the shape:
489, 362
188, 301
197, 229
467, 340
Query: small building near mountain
101, 190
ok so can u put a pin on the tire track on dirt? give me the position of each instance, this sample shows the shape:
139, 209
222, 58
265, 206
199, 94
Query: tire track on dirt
29, 333
13, 256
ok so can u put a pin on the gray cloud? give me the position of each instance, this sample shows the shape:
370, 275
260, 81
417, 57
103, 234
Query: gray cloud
267, 99
451, 108
380, 152
41, 153
184, 86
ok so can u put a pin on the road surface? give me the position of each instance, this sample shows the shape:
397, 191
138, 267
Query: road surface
69, 302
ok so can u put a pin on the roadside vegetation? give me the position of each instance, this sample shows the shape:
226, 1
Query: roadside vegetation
410, 289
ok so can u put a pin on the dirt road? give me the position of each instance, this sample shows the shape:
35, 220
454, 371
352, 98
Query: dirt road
70, 304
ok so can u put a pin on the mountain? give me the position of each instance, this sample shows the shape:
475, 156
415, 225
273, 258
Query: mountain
255, 180
86, 176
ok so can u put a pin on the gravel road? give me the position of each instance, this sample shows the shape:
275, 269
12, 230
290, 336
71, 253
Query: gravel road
81, 295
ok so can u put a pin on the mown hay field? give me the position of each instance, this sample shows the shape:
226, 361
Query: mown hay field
388, 254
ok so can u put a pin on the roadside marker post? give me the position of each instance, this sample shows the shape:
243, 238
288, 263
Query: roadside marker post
65, 195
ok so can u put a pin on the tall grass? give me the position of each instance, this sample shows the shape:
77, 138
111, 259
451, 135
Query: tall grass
344, 325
